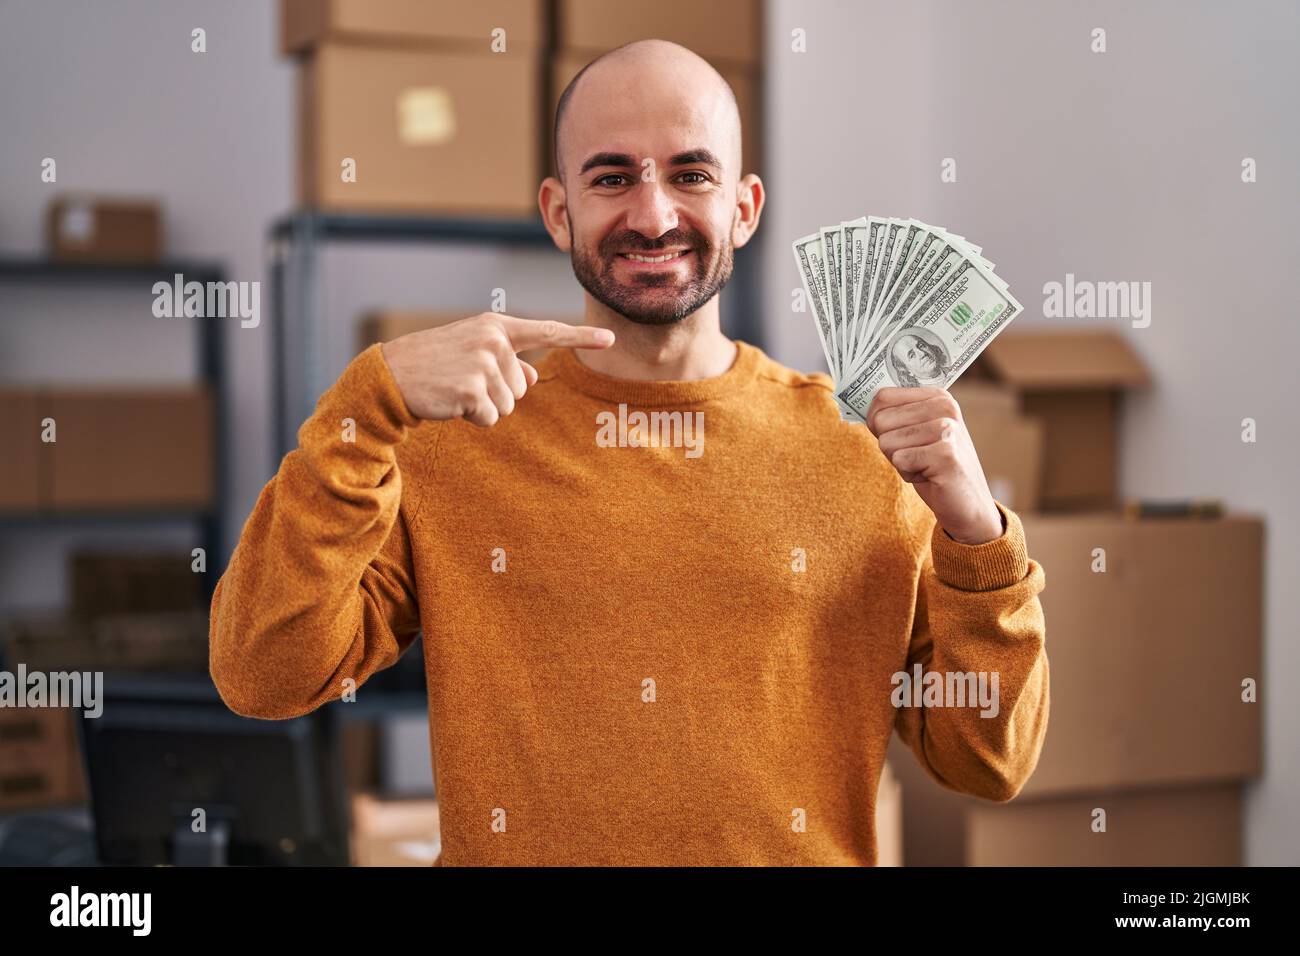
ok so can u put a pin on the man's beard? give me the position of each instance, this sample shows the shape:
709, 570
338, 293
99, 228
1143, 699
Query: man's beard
629, 299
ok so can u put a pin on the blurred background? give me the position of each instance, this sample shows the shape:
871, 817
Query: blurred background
1097, 142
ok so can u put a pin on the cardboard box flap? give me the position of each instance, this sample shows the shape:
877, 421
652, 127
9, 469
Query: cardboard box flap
1074, 359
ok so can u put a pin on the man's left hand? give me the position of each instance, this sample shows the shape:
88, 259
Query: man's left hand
922, 433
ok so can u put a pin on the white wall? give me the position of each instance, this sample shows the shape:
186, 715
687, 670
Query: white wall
1119, 166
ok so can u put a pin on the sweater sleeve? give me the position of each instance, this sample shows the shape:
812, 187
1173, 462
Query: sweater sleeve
978, 611
320, 588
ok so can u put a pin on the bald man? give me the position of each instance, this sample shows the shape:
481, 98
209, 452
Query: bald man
673, 608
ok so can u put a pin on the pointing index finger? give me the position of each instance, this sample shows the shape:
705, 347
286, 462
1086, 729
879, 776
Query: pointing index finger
548, 333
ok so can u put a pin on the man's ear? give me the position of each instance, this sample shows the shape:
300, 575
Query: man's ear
749, 207
553, 203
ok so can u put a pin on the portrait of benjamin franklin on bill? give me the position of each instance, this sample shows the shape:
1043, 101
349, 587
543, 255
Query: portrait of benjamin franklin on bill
917, 357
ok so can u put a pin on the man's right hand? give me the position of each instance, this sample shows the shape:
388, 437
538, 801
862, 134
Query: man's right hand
468, 369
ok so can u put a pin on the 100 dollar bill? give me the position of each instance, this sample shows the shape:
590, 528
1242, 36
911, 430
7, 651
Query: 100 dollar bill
940, 337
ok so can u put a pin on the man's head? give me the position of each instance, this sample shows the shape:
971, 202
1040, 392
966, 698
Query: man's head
917, 356
648, 160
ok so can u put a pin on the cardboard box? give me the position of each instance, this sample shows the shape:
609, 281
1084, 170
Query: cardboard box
39, 760
985, 398
123, 582
1072, 381
1009, 445
394, 832
744, 81
130, 448
1163, 826
167, 641
20, 437
1148, 657
1147, 660
730, 30
1011, 453
430, 132
1198, 826
889, 819
50, 641
384, 325
305, 24
58, 641
84, 228
388, 324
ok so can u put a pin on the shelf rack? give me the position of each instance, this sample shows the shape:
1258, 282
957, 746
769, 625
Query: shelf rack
212, 373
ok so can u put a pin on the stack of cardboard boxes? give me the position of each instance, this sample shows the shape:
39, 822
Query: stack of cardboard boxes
90, 448
1153, 636
418, 107
129, 611
437, 107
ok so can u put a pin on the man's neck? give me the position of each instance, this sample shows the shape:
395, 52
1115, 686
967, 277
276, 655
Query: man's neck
689, 350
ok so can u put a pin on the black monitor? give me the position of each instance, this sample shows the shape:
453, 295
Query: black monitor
271, 791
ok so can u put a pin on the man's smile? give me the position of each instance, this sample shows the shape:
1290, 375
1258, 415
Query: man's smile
641, 262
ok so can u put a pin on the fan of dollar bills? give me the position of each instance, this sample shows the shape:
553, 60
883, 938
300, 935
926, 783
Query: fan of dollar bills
898, 302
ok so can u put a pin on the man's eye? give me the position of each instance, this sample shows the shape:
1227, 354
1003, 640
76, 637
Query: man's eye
702, 178
601, 180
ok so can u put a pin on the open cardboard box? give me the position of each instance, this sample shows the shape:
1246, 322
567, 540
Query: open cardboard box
1147, 662
1071, 381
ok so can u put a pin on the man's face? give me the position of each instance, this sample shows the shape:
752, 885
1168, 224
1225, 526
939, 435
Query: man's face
911, 353
612, 266
650, 173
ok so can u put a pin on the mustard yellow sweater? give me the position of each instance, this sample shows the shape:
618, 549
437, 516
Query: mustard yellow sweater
646, 642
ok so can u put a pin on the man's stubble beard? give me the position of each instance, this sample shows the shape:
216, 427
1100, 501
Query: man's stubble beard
595, 274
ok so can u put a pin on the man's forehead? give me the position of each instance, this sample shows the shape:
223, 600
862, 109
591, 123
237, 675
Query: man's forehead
644, 130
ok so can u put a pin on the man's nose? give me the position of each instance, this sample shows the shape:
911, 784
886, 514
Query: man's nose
653, 211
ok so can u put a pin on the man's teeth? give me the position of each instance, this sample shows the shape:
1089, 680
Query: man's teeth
664, 258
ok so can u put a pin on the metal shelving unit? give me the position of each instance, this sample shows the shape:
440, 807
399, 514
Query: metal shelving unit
294, 242
212, 373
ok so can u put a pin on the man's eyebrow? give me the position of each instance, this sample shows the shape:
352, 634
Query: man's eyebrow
699, 156
608, 159
627, 161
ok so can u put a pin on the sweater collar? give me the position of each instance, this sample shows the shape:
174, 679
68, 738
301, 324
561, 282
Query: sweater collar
568, 368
